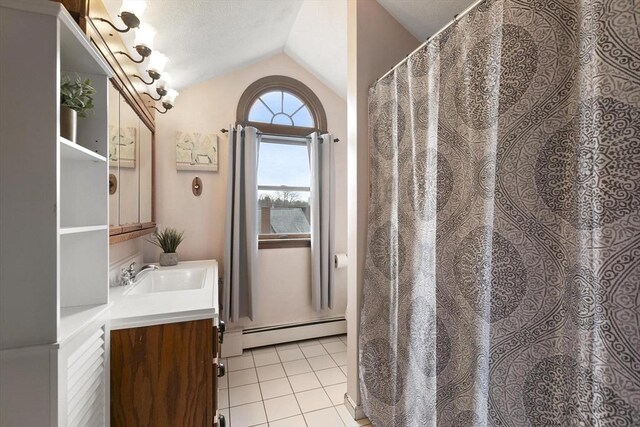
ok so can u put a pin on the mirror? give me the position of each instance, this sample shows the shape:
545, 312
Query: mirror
130, 168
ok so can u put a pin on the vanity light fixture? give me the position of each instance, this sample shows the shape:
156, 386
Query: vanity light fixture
130, 13
143, 43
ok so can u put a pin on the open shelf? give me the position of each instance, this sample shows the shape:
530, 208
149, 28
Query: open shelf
85, 229
72, 151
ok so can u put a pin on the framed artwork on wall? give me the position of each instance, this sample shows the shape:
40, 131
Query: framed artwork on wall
122, 147
197, 151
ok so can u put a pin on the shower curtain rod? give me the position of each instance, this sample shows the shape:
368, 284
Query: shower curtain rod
455, 19
279, 134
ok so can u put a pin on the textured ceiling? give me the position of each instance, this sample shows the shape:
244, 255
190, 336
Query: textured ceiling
423, 18
207, 38
318, 41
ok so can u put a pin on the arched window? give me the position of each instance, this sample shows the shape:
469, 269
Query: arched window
286, 111
281, 105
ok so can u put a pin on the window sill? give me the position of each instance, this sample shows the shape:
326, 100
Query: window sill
284, 243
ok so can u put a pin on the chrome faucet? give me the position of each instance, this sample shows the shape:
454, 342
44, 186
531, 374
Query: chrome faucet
129, 276
148, 267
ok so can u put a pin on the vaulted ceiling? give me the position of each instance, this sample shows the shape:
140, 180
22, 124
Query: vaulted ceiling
207, 38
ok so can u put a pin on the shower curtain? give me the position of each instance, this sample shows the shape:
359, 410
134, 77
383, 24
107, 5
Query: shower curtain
503, 267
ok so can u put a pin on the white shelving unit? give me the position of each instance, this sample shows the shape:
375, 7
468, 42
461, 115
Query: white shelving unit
54, 225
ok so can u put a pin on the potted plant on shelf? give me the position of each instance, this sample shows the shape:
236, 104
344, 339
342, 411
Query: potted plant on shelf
168, 240
75, 101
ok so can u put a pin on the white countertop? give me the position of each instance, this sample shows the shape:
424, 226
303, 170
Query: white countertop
130, 311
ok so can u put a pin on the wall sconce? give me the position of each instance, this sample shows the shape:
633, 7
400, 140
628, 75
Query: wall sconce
130, 13
168, 102
155, 68
162, 86
143, 43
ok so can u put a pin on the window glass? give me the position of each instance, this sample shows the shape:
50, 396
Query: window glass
283, 187
291, 103
303, 117
281, 108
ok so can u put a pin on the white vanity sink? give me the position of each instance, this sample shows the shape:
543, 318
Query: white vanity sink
169, 281
185, 292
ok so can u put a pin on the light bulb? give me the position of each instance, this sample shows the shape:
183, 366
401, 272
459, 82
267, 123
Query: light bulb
157, 62
144, 36
170, 97
165, 81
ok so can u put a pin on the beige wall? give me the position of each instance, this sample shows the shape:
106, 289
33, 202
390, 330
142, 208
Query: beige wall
376, 42
209, 107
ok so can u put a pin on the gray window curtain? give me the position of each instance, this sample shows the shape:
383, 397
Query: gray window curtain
321, 163
241, 225
503, 265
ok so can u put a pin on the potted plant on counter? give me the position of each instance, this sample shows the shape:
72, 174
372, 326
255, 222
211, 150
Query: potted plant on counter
76, 99
168, 240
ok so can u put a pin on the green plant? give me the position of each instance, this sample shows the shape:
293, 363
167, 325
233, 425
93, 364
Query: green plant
77, 95
168, 239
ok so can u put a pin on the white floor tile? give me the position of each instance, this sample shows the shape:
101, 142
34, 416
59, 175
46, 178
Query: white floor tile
281, 407
290, 354
263, 359
296, 367
348, 420
244, 377
307, 343
238, 363
275, 388
223, 382
313, 350
336, 393
270, 372
297, 421
339, 358
330, 339
312, 400
286, 346
223, 398
323, 418
335, 346
244, 394
304, 382
321, 362
331, 376
248, 415
264, 350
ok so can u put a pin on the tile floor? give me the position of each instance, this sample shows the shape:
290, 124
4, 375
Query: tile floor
298, 384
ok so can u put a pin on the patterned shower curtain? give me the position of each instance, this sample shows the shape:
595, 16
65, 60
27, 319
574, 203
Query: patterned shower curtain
502, 281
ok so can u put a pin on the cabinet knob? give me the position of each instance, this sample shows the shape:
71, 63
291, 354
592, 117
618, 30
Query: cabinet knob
221, 421
221, 370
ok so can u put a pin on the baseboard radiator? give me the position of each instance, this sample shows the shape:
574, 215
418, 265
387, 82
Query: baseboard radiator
272, 335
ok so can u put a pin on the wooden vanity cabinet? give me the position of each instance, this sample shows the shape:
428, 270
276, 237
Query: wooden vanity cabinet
164, 375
